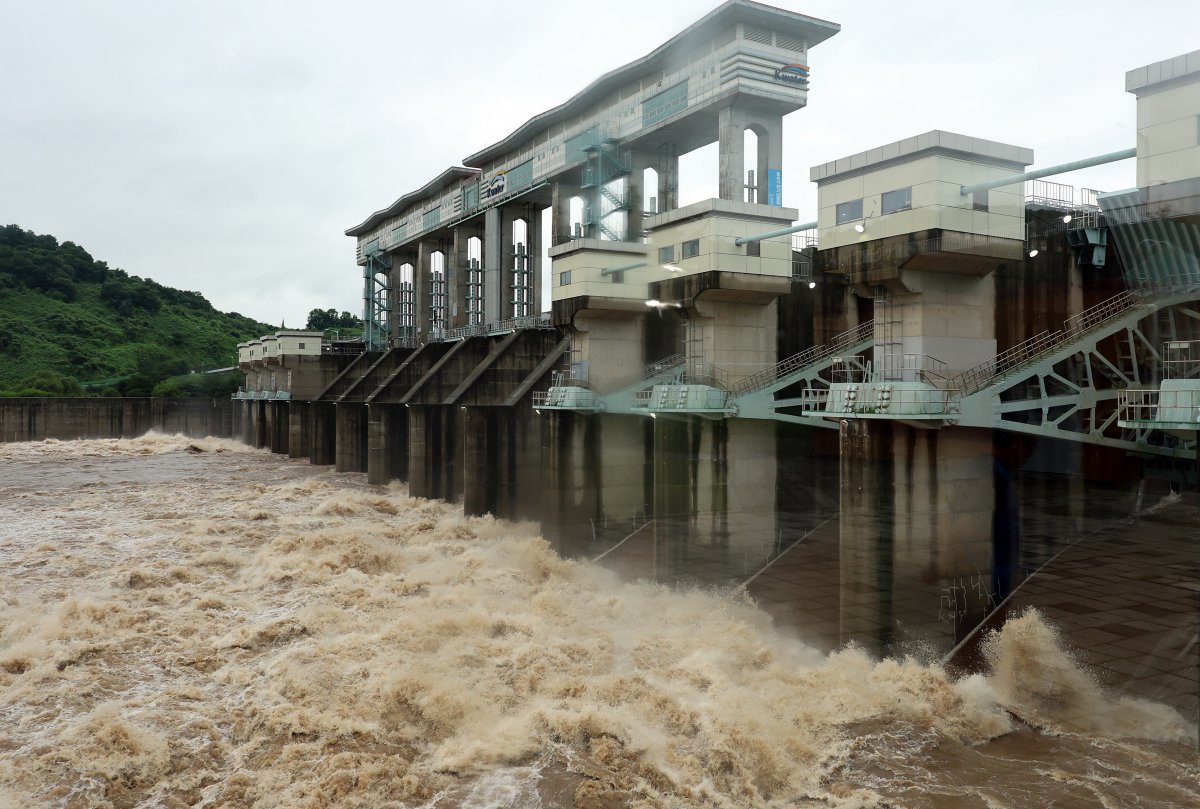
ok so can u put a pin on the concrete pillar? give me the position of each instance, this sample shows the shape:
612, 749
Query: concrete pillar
434, 468
533, 243
351, 431
395, 279
916, 539
456, 278
493, 263
561, 195
732, 123
422, 292
571, 487
480, 478
387, 443
668, 177
299, 430
276, 426
732, 153
323, 422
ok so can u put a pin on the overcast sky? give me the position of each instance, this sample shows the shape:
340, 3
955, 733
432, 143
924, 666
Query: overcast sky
224, 147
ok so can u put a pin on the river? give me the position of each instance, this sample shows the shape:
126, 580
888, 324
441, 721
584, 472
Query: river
195, 623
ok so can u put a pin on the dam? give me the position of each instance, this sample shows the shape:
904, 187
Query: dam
881, 422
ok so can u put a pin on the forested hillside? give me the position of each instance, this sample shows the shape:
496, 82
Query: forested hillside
67, 319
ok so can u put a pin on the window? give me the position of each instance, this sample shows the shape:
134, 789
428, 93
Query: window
301, 347
666, 254
617, 277
979, 200
849, 211
564, 278
898, 200
754, 248
691, 248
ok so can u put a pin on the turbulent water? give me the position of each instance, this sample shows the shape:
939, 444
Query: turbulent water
194, 623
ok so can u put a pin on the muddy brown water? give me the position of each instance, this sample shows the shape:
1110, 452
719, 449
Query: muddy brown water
195, 623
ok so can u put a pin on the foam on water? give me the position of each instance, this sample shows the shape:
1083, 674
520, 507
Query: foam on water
260, 633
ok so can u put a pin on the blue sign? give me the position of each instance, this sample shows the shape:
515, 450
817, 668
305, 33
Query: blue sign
774, 186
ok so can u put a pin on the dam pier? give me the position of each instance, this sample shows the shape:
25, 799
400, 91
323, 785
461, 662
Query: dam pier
883, 420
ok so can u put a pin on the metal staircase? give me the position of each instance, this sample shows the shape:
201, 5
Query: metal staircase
754, 397
1066, 384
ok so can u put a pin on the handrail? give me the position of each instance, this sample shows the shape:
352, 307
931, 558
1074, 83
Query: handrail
650, 371
809, 356
1023, 354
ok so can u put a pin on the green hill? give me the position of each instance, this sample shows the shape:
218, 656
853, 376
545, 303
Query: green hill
66, 318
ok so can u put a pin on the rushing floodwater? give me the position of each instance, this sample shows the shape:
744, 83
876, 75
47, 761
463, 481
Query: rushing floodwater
194, 623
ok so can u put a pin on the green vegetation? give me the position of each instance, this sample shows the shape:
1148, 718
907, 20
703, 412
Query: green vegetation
344, 326
70, 324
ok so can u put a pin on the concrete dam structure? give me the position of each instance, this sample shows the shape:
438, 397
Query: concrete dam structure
924, 393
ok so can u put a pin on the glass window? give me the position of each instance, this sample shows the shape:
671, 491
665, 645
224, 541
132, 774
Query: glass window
849, 211
691, 248
754, 248
979, 200
301, 347
666, 254
617, 277
898, 200
564, 278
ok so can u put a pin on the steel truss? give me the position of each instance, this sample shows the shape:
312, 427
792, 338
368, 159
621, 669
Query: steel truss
1066, 385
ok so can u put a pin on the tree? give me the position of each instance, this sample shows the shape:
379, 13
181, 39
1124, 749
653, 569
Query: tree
322, 319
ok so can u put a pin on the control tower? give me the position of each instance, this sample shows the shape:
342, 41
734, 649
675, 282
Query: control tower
464, 252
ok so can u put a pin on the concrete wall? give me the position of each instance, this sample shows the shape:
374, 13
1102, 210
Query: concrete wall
36, 419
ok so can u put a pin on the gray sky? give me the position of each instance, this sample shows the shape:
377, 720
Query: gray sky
224, 147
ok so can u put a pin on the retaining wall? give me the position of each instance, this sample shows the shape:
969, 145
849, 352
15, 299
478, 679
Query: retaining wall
36, 419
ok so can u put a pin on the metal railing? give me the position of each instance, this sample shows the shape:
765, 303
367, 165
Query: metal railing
540, 321
1058, 195
1035, 348
1148, 406
705, 373
810, 356
656, 368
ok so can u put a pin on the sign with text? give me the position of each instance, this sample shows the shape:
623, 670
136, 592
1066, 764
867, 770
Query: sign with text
497, 185
774, 186
793, 74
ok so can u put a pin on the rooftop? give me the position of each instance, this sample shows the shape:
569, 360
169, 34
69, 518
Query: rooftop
933, 142
1177, 70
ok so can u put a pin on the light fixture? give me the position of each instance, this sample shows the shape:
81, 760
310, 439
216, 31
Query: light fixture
812, 284
1033, 253
1067, 219
653, 302
672, 268
535, 410
861, 227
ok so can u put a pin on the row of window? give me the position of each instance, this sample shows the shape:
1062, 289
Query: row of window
898, 200
689, 249
564, 278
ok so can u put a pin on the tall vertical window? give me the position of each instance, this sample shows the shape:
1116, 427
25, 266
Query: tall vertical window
979, 200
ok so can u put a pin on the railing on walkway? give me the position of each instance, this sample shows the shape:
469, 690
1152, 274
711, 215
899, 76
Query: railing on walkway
540, 321
1035, 348
656, 368
809, 356
1152, 406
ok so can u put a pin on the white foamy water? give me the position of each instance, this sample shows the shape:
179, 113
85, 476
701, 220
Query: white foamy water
194, 623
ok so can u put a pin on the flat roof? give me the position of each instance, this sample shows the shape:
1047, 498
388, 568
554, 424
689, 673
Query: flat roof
450, 175
812, 30
935, 141
1176, 70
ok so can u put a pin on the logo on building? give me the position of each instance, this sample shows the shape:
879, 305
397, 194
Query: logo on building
494, 187
793, 74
